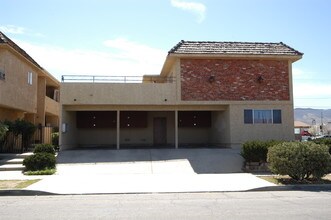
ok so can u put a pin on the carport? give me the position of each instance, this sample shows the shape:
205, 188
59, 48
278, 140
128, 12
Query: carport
143, 128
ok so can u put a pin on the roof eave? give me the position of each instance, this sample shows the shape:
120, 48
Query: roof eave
293, 58
167, 65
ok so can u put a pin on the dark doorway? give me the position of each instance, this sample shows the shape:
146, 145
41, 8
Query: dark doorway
160, 131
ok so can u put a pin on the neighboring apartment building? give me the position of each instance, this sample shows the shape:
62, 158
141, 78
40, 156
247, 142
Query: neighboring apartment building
27, 91
208, 94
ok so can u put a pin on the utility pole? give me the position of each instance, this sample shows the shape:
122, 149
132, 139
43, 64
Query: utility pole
322, 122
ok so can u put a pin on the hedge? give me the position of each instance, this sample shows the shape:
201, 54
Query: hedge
39, 161
325, 141
256, 151
299, 160
44, 148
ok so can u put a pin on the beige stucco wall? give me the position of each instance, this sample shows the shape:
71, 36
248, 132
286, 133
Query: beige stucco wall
68, 138
51, 106
95, 137
118, 94
15, 92
241, 132
188, 136
220, 132
10, 114
40, 117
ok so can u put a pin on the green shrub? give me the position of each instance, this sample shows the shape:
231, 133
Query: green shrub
3, 130
325, 141
299, 160
55, 138
41, 172
44, 148
256, 151
39, 161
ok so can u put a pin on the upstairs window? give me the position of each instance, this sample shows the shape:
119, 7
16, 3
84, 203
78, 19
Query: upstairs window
2, 75
252, 116
262, 117
30, 77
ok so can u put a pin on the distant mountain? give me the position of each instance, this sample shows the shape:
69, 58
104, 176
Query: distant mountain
308, 115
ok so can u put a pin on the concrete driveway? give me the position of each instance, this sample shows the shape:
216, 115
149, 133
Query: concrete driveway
147, 171
151, 161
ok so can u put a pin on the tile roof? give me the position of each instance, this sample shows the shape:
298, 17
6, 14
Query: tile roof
233, 48
5, 40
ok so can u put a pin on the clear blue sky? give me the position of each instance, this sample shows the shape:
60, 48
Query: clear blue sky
131, 37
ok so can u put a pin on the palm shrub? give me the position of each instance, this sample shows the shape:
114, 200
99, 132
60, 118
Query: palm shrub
299, 160
3, 131
55, 140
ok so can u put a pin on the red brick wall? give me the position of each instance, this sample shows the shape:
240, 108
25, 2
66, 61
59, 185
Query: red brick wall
234, 80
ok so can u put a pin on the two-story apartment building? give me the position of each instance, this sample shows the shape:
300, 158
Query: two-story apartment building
27, 91
207, 94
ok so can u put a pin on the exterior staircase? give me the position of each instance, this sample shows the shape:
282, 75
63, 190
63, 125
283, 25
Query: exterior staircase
13, 162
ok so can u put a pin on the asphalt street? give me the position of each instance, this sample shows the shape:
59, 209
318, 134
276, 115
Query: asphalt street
231, 205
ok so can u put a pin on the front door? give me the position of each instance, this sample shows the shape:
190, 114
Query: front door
160, 131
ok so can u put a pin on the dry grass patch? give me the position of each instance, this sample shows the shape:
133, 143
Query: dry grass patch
16, 184
286, 180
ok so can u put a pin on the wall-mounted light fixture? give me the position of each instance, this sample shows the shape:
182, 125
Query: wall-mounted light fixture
260, 79
64, 127
211, 79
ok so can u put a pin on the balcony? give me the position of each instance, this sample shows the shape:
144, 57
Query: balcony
118, 90
51, 106
116, 79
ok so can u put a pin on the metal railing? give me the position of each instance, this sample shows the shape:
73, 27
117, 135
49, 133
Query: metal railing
116, 79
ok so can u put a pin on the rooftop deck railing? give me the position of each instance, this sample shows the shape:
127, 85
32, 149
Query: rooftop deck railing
115, 79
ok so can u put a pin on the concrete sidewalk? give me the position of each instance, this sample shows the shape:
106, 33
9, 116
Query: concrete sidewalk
147, 183
148, 171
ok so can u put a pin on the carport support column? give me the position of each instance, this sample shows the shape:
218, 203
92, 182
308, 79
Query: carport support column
176, 129
118, 130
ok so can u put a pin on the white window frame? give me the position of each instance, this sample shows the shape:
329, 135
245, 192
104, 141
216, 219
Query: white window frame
268, 121
30, 78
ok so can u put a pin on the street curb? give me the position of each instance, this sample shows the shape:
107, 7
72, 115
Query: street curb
303, 187
23, 192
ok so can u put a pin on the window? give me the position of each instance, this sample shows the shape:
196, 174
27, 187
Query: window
30, 78
277, 116
262, 116
2, 75
248, 116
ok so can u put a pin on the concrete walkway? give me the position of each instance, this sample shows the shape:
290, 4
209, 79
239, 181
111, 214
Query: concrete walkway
148, 171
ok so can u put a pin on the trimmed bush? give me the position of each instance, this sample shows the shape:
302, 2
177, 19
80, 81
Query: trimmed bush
44, 148
325, 141
299, 160
39, 161
256, 151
